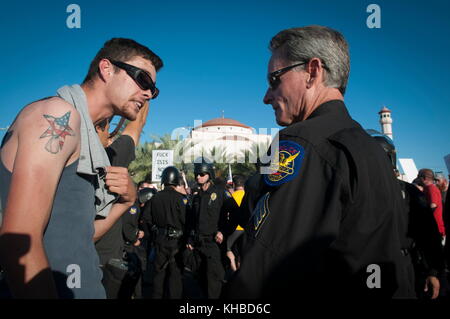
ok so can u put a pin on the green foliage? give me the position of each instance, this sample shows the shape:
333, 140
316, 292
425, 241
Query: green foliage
244, 164
141, 167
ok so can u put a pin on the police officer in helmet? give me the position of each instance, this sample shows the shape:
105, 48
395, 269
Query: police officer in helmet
205, 233
166, 217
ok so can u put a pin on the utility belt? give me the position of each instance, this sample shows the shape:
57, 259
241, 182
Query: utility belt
199, 239
168, 232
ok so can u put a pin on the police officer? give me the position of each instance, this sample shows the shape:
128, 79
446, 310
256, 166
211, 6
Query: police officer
326, 214
135, 244
205, 220
423, 233
167, 215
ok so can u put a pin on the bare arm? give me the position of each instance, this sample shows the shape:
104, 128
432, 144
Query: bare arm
47, 139
119, 182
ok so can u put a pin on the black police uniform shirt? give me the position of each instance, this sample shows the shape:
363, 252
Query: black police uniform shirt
206, 214
331, 208
167, 208
120, 153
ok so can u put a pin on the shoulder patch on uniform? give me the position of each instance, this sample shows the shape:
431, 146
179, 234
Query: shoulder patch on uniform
290, 157
133, 210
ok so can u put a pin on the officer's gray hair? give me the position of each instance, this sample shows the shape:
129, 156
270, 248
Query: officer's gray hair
303, 44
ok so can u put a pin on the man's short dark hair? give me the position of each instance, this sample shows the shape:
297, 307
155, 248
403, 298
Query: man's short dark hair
426, 173
238, 181
121, 49
142, 183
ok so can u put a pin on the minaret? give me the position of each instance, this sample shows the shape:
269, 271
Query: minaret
386, 121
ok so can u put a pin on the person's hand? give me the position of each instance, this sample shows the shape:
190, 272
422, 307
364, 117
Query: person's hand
141, 117
118, 181
219, 237
189, 246
140, 234
137, 243
432, 283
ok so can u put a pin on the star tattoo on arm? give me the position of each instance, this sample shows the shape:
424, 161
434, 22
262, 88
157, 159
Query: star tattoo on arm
58, 130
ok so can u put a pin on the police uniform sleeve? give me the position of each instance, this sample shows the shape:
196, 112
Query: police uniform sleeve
130, 224
181, 203
190, 221
229, 217
145, 219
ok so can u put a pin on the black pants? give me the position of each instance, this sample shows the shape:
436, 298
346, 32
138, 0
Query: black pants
211, 267
167, 269
138, 256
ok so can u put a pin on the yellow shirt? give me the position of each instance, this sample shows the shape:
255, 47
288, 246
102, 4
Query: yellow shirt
238, 195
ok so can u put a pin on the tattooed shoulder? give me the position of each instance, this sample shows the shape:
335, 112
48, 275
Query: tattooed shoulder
58, 130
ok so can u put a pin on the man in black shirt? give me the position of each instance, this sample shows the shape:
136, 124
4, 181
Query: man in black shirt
121, 152
326, 215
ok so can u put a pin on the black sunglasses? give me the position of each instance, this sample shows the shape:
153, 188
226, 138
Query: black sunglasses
141, 77
274, 77
201, 174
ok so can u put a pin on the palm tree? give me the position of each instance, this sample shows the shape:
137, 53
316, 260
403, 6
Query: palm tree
141, 167
165, 142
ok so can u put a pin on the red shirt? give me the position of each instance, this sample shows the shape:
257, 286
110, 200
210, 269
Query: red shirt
434, 197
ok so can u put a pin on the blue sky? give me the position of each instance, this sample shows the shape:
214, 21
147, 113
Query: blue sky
215, 55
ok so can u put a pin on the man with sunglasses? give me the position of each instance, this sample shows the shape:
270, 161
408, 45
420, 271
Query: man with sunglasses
51, 187
326, 214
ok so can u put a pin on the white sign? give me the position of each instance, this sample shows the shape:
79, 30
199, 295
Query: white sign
447, 162
160, 160
409, 168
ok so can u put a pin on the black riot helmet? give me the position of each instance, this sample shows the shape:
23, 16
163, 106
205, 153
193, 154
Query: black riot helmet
145, 194
387, 144
170, 176
204, 168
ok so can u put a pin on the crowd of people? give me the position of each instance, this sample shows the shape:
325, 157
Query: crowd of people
325, 211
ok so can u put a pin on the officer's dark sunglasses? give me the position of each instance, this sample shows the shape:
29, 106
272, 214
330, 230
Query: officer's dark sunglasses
274, 77
201, 174
141, 77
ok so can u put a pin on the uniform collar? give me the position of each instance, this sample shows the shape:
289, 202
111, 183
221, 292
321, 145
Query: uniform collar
333, 106
327, 119
168, 189
209, 189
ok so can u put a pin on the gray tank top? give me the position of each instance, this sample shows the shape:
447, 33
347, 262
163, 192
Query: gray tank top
68, 238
